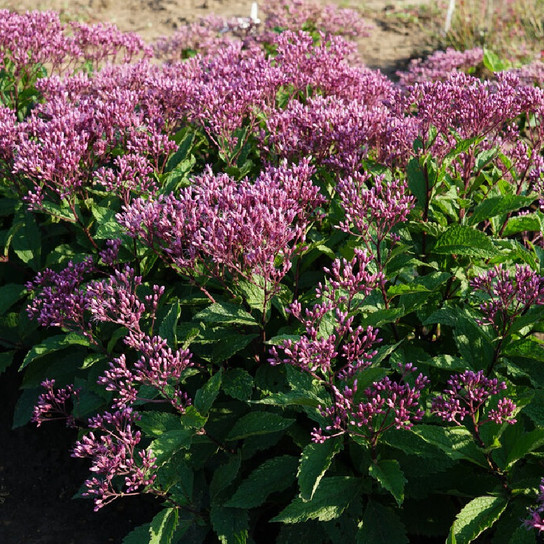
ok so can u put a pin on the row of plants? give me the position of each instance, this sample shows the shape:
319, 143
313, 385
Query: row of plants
291, 299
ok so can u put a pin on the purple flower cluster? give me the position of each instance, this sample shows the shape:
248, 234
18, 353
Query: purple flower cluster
121, 468
440, 65
373, 207
233, 229
383, 405
60, 299
466, 394
51, 405
211, 34
508, 295
331, 348
536, 521
29, 41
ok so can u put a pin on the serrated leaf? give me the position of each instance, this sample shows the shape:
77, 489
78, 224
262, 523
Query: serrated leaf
26, 240
207, 394
229, 314
256, 423
168, 326
9, 295
230, 524
273, 475
525, 444
230, 345
331, 498
107, 226
477, 516
522, 223
381, 526
54, 343
224, 475
447, 362
498, 205
389, 474
6, 359
156, 423
456, 442
314, 463
140, 535
163, 526
417, 182
238, 384
170, 442
464, 240
529, 348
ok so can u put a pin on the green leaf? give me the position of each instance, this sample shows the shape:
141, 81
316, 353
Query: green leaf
417, 182
522, 536
314, 463
464, 240
273, 475
331, 498
256, 423
170, 442
26, 241
6, 359
54, 343
381, 526
230, 524
498, 205
107, 226
181, 154
477, 516
207, 394
156, 423
224, 475
230, 345
140, 535
525, 444
163, 526
522, 223
229, 314
9, 295
493, 62
456, 442
238, 384
389, 474
529, 348
447, 362
168, 326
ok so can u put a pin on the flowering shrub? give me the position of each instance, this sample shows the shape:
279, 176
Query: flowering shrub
287, 297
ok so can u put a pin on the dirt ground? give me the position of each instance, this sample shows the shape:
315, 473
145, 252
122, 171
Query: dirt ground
37, 475
396, 37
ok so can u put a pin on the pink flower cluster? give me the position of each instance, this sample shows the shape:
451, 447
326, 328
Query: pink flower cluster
337, 351
51, 405
383, 405
373, 207
466, 394
69, 304
121, 468
239, 230
508, 295
211, 34
440, 66
60, 298
536, 521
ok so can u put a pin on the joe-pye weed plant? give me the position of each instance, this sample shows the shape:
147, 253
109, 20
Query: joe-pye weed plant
287, 297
